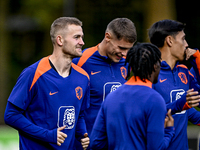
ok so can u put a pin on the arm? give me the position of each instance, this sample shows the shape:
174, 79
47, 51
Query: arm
158, 137
18, 102
81, 126
14, 117
175, 105
194, 116
194, 57
85, 141
179, 105
169, 120
99, 135
81, 131
191, 99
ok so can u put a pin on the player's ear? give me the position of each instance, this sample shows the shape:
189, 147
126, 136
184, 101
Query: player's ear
157, 66
169, 40
108, 36
59, 40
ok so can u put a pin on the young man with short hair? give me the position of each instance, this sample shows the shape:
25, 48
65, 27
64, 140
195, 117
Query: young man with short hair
105, 64
176, 84
133, 116
48, 101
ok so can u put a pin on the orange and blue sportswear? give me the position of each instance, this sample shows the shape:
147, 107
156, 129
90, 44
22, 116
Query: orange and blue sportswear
105, 77
132, 118
173, 86
42, 101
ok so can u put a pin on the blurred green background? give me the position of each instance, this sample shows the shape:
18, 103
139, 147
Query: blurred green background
9, 139
25, 25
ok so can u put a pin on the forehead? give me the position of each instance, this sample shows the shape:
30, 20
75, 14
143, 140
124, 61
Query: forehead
180, 34
74, 29
122, 43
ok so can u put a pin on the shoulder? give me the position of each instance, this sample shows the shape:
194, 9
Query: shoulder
87, 53
80, 70
155, 97
30, 70
184, 70
39, 68
182, 66
27, 76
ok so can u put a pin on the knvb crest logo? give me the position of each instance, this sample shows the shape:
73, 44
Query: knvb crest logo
176, 95
123, 72
79, 92
66, 116
110, 87
183, 77
114, 87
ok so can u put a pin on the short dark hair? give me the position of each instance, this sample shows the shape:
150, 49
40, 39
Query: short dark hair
141, 59
161, 29
60, 24
123, 28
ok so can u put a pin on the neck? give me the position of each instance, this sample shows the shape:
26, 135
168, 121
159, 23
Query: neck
166, 56
101, 48
62, 64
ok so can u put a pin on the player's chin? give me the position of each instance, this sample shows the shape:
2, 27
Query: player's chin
116, 60
79, 52
78, 55
182, 59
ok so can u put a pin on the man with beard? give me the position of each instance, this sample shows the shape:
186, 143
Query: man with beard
47, 102
176, 84
133, 116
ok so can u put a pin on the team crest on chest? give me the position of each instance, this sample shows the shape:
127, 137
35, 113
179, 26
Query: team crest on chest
79, 92
110, 87
183, 77
66, 116
176, 95
123, 72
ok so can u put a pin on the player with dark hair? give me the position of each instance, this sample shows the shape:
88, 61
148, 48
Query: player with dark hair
105, 64
48, 101
138, 64
176, 84
133, 116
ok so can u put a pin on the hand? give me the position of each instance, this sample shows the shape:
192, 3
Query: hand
61, 136
189, 53
85, 141
169, 120
192, 98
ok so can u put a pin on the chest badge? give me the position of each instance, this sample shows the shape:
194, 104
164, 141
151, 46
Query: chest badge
183, 77
79, 92
123, 72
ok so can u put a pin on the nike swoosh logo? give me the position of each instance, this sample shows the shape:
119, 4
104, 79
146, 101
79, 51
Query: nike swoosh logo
52, 93
93, 73
162, 80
